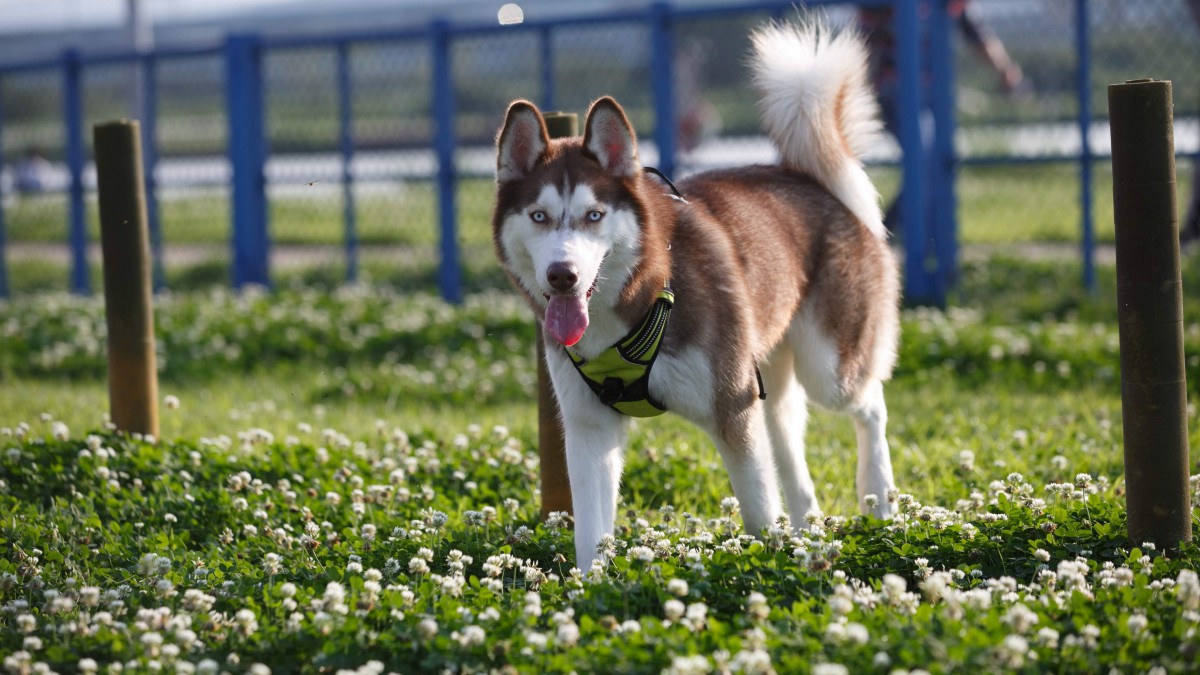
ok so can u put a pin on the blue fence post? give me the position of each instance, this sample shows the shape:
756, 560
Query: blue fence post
918, 287
346, 141
449, 274
546, 42
1083, 81
945, 203
149, 123
662, 79
77, 216
3, 233
247, 157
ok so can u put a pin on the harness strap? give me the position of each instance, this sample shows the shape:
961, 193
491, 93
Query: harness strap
662, 176
620, 376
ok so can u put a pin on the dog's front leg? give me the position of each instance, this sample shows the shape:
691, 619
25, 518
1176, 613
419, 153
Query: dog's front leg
595, 436
594, 464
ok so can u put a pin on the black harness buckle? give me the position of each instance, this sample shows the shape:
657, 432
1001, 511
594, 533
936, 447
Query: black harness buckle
612, 390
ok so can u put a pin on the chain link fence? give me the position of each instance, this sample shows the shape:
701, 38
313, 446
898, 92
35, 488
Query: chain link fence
353, 146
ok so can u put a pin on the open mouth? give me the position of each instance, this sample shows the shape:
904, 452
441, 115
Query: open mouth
567, 316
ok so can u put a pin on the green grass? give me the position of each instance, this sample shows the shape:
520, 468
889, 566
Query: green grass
997, 205
408, 411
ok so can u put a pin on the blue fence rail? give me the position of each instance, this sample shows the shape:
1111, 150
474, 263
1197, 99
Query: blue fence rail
258, 125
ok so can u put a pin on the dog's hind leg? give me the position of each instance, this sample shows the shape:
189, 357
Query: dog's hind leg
787, 418
874, 476
821, 371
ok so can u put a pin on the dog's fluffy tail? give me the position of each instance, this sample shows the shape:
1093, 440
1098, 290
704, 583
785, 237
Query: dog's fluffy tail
818, 107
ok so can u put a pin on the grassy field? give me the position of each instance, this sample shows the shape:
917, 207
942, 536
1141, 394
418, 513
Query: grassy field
347, 480
997, 204
999, 207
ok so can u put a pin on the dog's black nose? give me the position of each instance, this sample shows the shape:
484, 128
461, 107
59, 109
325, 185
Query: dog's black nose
562, 276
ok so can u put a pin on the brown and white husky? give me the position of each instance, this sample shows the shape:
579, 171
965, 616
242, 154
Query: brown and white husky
782, 269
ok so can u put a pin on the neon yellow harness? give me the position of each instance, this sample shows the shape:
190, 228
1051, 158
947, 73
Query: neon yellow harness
620, 375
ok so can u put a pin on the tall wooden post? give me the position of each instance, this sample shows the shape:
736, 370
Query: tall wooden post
128, 294
556, 486
1150, 313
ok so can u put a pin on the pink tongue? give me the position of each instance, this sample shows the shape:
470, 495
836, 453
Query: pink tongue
566, 318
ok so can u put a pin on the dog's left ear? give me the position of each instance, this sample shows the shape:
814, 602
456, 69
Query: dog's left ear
522, 142
610, 138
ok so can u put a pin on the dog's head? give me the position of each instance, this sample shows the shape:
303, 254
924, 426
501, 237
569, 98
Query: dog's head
567, 225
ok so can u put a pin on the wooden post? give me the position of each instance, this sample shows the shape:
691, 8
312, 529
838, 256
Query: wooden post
556, 486
1150, 313
128, 295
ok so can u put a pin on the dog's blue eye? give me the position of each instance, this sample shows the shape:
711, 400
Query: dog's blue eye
538, 216
595, 216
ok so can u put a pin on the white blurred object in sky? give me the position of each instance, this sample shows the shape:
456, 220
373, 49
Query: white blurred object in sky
510, 14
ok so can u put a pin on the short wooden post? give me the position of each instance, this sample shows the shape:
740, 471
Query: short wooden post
128, 294
556, 485
1150, 313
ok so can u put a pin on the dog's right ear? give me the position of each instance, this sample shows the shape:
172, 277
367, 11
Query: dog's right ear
523, 140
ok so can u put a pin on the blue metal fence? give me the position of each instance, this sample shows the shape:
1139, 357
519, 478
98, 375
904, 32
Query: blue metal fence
243, 139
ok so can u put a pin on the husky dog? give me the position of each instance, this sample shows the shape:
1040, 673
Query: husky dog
782, 279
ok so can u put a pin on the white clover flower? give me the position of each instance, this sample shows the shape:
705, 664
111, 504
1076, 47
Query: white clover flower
259, 669
567, 634
677, 587
335, 593
937, 585
757, 607
87, 665
153, 640
1012, 651
536, 640
673, 610
26, 623
830, 669
1187, 589
688, 665
418, 566
18, 662
427, 628
857, 633
471, 636
893, 585
533, 604
1137, 624
755, 660
1047, 637
171, 402
272, 563
1019, 618
641, 554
